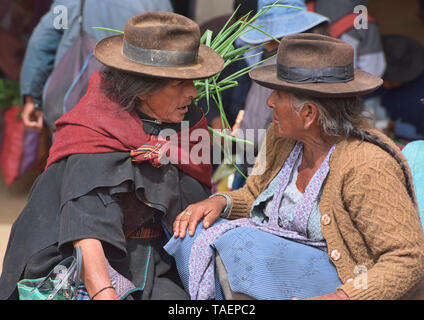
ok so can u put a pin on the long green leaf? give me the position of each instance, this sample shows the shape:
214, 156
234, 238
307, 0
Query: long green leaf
226, 153
108, 29
228, 21
229, 137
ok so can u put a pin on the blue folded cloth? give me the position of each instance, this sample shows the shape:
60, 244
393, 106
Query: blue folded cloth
180, 250
262, 265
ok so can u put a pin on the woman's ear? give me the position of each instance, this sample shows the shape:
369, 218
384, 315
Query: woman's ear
309, 114
143, 96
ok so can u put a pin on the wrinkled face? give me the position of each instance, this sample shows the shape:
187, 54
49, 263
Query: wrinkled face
287, 122
169, 104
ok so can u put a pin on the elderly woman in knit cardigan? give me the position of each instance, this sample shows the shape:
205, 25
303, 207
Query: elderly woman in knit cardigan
334, 215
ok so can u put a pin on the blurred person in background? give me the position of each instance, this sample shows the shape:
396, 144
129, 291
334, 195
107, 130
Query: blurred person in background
366, 40
17, 20
397, 106
50, 42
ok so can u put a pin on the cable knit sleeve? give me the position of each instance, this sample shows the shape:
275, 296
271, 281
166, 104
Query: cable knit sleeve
383, 212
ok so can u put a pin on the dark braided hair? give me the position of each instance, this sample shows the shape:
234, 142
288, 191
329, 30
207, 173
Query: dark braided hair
342, 117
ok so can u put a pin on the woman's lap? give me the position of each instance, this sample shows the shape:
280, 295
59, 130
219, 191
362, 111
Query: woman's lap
265, 266
180, 249
262, 265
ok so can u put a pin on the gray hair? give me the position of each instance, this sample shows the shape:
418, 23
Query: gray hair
342, 118
125, 87
338, 117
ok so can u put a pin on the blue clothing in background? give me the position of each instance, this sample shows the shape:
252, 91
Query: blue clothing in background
414, 154
405, 103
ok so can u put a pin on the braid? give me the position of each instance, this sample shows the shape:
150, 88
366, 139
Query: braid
366, 136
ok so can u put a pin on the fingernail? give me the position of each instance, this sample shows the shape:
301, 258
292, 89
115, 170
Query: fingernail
206, 224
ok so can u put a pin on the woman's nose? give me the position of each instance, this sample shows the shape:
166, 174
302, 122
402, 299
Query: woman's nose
270, 100
191, 89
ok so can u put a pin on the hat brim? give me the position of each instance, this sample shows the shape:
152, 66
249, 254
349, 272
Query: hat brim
109, 52
363, 83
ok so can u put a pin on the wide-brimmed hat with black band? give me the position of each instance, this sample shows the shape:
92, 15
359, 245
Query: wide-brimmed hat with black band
314, 65
160, 44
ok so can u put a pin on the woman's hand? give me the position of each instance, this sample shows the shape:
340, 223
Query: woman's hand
338, 295
208, 209
94, 271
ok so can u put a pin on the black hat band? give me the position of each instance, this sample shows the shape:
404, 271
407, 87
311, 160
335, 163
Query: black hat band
158, 58
325, 75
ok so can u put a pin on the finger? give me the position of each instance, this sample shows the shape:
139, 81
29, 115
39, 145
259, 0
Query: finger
193, 221
25, 119
39, 121
183, 226
176, 225
209, 219
31, 125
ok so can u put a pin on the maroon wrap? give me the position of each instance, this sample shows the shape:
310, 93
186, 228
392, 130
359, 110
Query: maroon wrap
99, 125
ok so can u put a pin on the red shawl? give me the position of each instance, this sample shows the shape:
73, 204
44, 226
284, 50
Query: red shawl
99, 125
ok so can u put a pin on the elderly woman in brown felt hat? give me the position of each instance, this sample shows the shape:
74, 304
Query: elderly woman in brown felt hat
334, 215
105, 189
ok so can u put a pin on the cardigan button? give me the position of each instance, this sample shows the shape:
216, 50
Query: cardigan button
335, 255
325, 219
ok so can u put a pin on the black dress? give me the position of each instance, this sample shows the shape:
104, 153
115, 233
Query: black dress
104, 196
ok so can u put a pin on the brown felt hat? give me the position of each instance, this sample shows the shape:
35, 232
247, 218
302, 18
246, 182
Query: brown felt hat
160, 44
316, 66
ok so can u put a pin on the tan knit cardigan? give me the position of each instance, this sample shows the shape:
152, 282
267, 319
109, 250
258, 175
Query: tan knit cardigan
371, 225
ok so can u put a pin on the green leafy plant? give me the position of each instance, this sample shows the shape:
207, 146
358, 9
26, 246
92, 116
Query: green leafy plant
223, 44
9, 94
